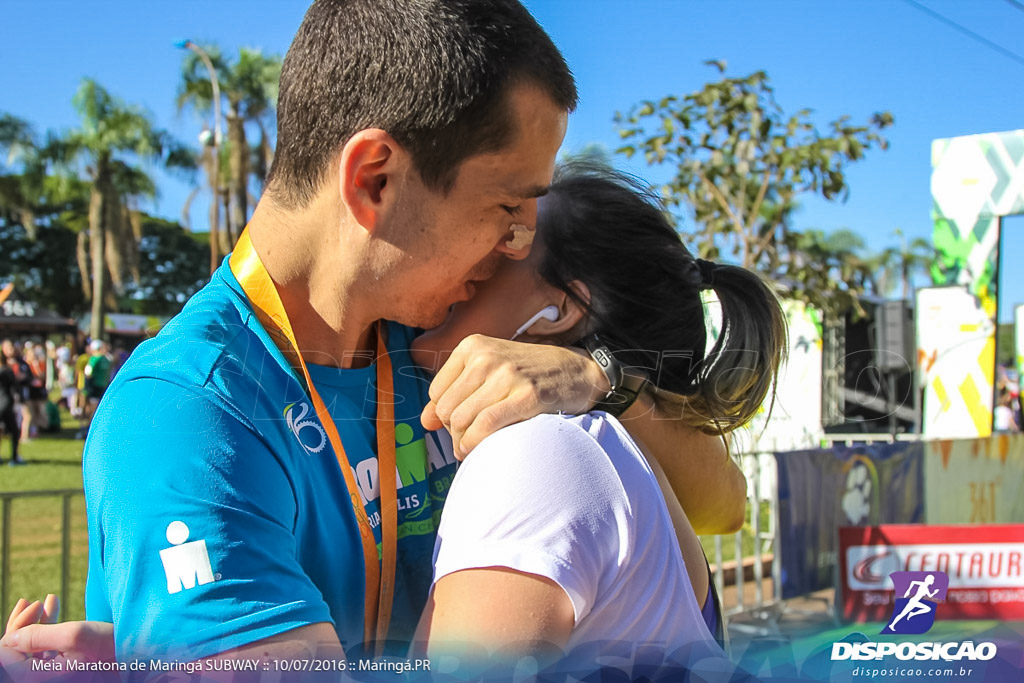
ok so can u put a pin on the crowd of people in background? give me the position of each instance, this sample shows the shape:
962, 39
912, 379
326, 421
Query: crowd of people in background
38, 377
1007, 415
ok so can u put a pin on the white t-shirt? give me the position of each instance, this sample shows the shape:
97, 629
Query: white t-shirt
572, 499
1004, 419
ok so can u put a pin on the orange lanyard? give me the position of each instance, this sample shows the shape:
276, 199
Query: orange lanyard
379, 569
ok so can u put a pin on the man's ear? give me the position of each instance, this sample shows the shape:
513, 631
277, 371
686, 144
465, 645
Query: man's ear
570, 313
370, 161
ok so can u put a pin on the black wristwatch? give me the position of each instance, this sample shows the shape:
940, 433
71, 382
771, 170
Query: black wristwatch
626, 383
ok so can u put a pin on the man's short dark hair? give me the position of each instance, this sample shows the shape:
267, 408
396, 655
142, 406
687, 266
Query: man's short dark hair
434, 74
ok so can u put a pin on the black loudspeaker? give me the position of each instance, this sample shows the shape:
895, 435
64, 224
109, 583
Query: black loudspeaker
894, 337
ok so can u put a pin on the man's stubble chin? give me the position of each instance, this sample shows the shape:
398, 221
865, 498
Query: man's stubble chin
431, 319
486, 269
424, 316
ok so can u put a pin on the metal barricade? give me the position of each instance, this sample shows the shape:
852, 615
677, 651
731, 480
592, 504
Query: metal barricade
6, 501
855, 438
762, 489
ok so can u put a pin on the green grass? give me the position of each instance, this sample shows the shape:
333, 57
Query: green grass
53, 461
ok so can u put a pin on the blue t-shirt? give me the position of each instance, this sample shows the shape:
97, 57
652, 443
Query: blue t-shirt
218, 515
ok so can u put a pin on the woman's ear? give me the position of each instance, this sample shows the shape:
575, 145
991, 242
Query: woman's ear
570, 313
369, 161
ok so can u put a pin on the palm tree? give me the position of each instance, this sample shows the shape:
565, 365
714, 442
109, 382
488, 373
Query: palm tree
32, 191
914, 258
832, 265
112, 134
903, 262
249, 84
21, 189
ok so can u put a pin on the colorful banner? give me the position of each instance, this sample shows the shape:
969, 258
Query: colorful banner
795, 420
126, 324
956, 350
975, 481
975, 180
984, 565
1018, 338
123, 323
822, 490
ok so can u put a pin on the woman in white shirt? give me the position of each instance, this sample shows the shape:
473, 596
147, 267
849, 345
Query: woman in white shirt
560, 535
556, 538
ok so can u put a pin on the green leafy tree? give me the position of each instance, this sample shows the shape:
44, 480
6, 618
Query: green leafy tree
38, 207
836, 262
111, 138
21, 184
32, 192
16, 138
740, 166
43, 266
591, 153
900, 265
172, 267
249, 86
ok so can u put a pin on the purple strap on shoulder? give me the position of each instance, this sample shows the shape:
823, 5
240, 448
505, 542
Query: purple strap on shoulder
708, 611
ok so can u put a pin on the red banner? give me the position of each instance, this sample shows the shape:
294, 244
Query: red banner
984, 564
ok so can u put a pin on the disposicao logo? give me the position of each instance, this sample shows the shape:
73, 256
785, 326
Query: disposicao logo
914, 612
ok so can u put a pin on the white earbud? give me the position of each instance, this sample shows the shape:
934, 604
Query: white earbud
549, 313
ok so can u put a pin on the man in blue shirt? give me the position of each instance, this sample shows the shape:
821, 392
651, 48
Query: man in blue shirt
218, 515
412, 139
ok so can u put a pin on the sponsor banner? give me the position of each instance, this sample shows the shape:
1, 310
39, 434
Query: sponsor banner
956, 347
1018, 339
822, 490
975, 179
795, 418
975, 481
984, 566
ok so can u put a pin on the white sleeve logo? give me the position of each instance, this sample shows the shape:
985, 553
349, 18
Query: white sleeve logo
185, 564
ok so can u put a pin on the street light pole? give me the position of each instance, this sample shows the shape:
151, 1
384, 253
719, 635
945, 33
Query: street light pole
215, 210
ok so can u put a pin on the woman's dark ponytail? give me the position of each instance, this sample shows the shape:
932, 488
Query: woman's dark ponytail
738, 373
609, 231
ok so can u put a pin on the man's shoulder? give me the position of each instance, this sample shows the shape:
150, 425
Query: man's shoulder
211, 337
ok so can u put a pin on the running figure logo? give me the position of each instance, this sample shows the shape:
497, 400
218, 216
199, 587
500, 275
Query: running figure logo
914, 613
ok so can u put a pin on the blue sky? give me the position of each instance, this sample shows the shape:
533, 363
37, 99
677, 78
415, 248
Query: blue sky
834, 56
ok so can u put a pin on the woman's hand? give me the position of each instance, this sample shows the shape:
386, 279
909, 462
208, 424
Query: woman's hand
490, 383
32, 632
25, 613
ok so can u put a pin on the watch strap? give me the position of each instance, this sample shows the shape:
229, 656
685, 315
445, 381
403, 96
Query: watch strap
626, 383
